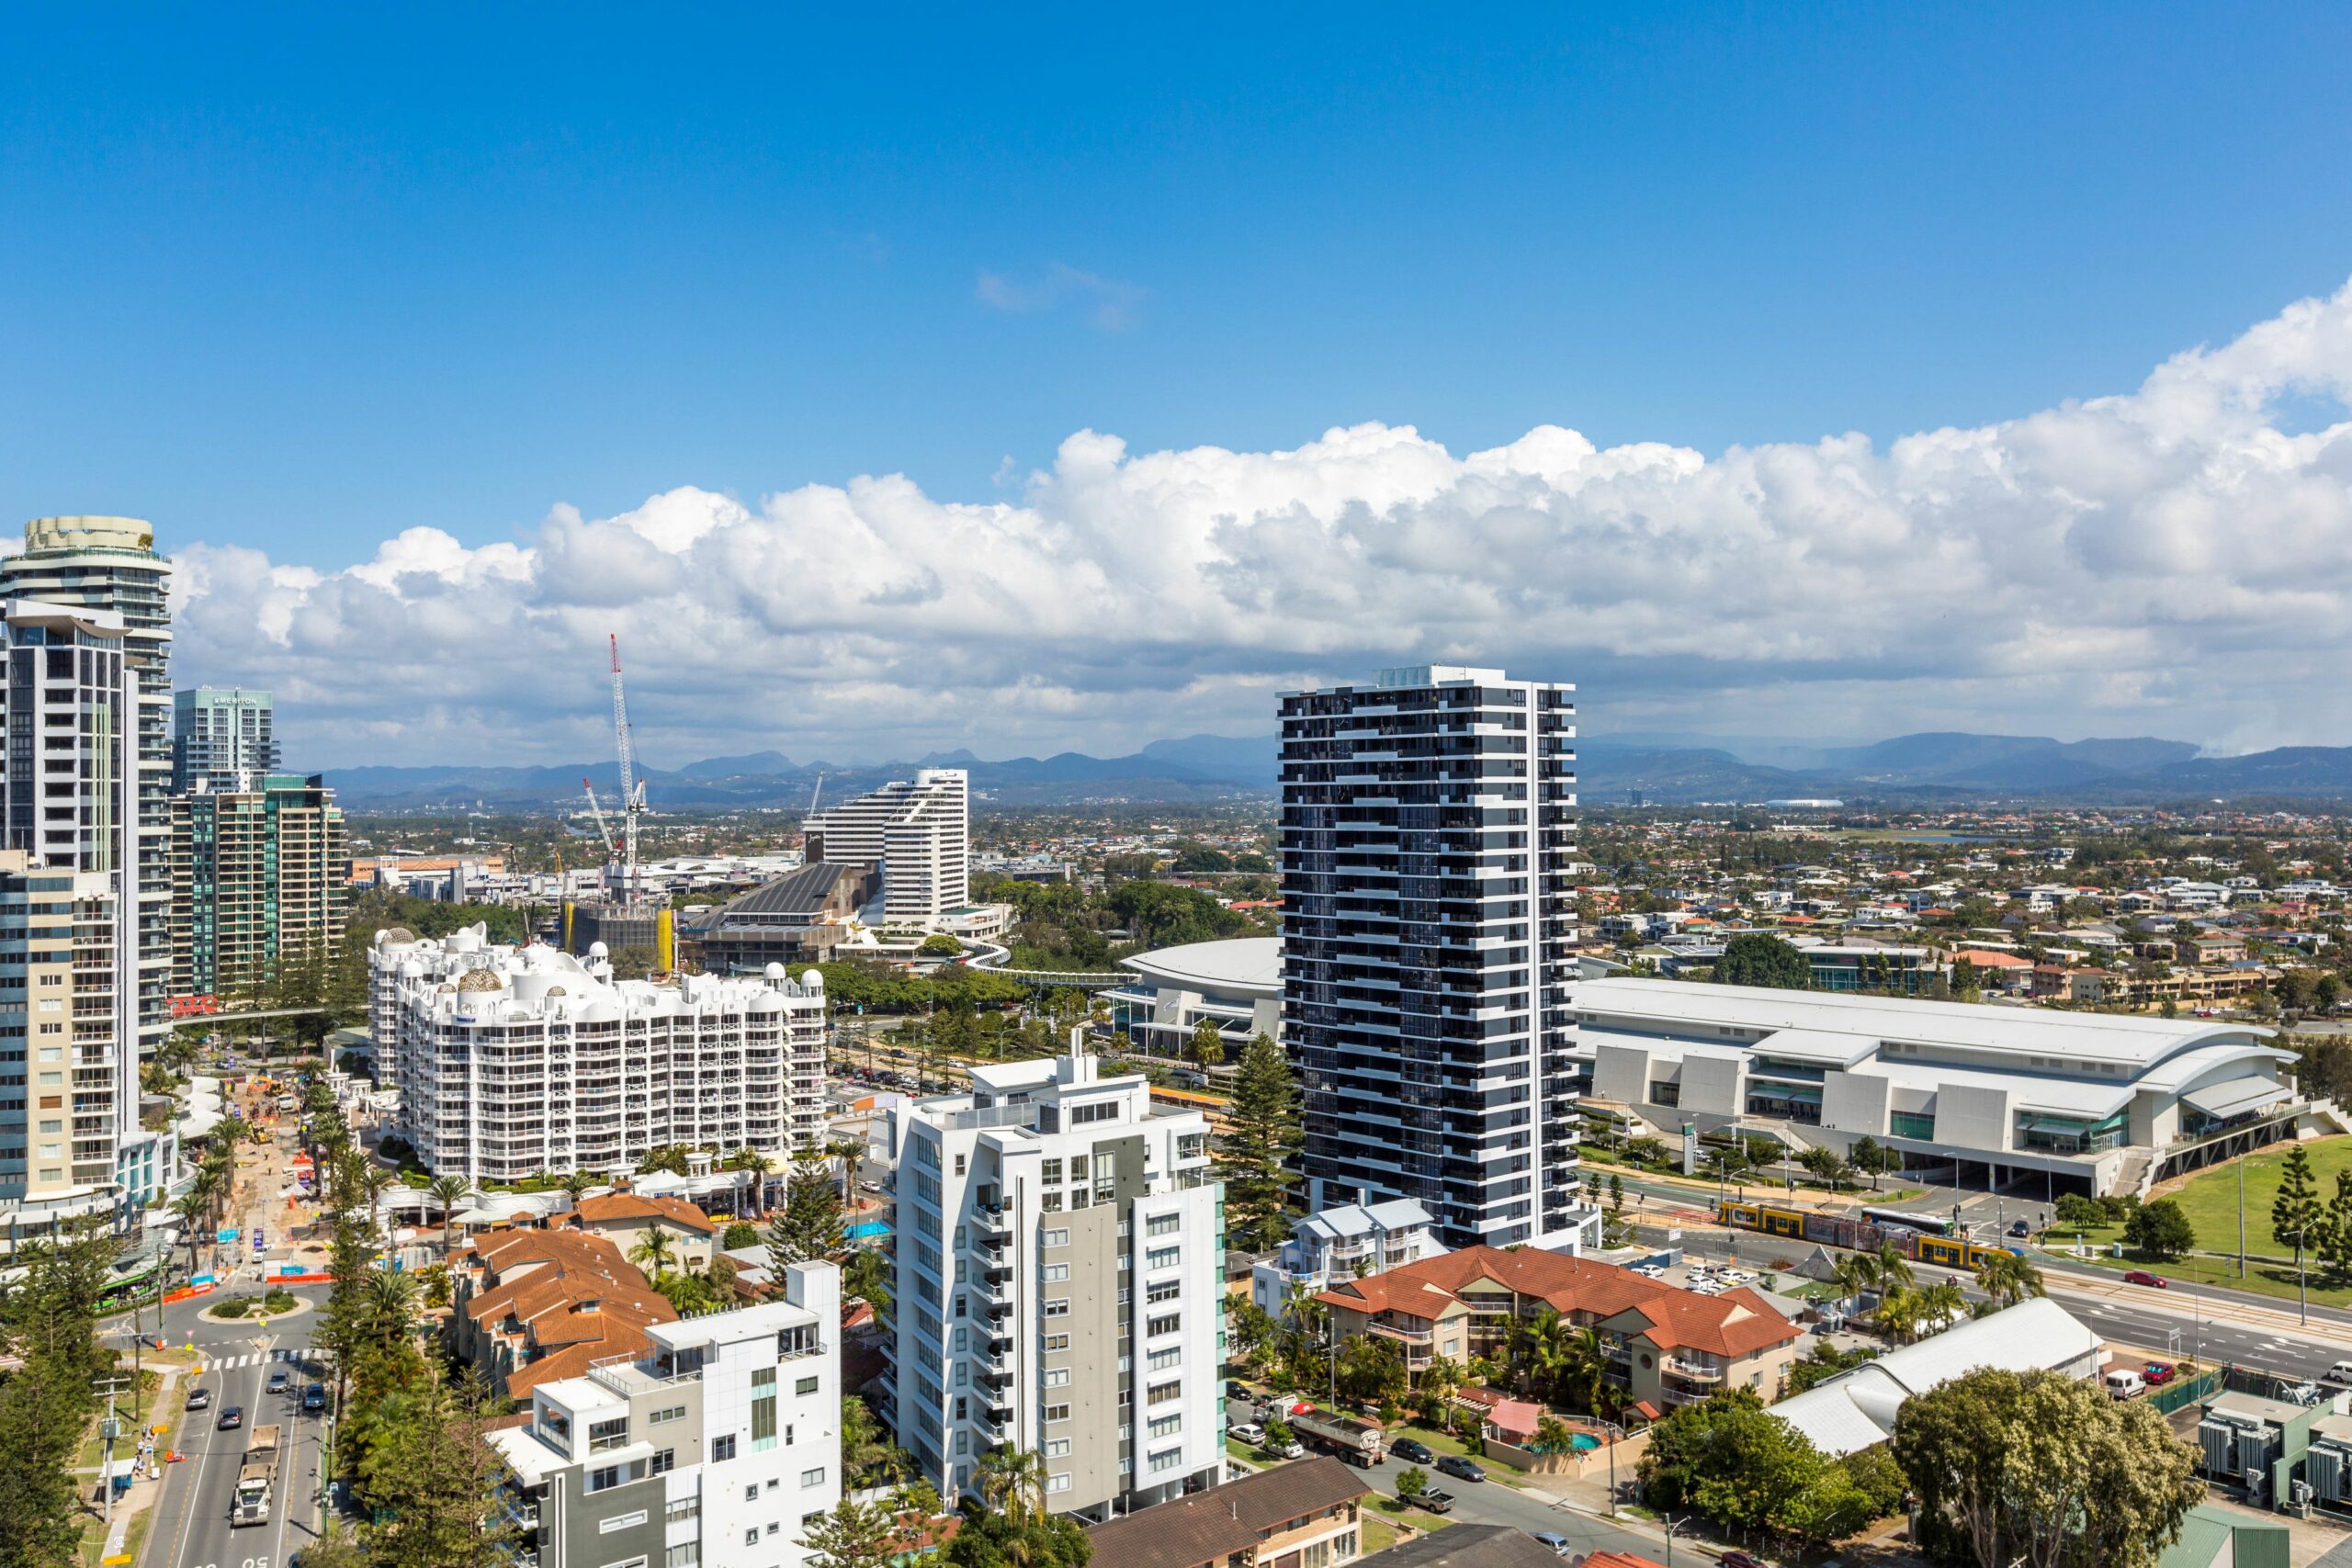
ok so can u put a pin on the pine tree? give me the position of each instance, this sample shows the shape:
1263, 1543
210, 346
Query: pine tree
2295, 1213
808, 1227
1262, 1136
432, 1480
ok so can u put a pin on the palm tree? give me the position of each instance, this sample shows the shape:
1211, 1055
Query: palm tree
1011, 1481
1892, 1267
2008, 1279
654, 1251
1855, 1272
1939, 1304
391, 1304
1898, 1311
574, 1183
445, 1190
189, 1208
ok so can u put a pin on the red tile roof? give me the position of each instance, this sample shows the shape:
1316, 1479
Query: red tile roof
622, 1208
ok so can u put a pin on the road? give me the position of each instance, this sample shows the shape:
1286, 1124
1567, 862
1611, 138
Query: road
1493, 1503
191, 1527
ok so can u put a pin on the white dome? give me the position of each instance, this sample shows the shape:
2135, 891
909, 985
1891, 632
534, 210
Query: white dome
773, 972
598, 949
813, 978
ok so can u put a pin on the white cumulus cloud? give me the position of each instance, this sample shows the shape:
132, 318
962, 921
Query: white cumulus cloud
2175, 559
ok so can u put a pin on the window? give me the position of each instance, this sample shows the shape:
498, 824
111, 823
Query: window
620, 1522
805, 1386
603, 1479
1058, 1482
1057, 1377
1165, 1392
751, 1536
1167, 1426
1054, 1273
1163, 1258
1056, 1412
686, 1556
1053, 1170
1162, 1361
1169, 1459
682, 1509
813, 1477
1053, 1239
604, 1434
1163, 1224
1057, 1341
1100, 1111
752, 1493
1056, 1447
667, 1413
663, 1462
1165, 1292
764, 1420
1058, 1307
1167, 1325
722, 1449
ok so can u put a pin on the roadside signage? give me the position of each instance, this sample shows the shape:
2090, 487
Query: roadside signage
228, 1234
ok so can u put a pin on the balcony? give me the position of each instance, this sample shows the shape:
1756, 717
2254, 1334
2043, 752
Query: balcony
1695, 1371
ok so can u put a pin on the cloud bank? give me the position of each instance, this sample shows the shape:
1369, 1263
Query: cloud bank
2176, 560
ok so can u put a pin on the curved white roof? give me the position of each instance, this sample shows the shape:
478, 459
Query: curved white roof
1252, 964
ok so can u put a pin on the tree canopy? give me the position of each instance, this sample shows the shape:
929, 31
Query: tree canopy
1758, 959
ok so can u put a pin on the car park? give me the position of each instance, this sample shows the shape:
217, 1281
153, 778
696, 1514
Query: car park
1413, 1451
2142, 1276
231, 1417
1461, 1469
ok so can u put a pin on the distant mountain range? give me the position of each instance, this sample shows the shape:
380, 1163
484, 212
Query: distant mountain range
1907, 770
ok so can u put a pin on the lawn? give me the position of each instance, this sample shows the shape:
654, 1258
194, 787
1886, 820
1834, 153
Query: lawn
2209, 1199
1446, 1443
1379, 1508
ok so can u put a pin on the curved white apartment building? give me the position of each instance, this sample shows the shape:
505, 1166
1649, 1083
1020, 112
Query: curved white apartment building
511, 1061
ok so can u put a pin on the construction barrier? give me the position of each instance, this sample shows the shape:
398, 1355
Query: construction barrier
185, 1293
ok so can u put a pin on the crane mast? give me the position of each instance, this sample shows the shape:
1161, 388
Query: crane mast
632, 788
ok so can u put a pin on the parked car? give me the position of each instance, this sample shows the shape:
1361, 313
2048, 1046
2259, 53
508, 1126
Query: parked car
1429, 1500
1737, 1559
231, 1416
1236, 1390
1555, 1542
1292, 1450
2158, 1373
199, 1399
2142, 1276
1414, 1449
1248, 1432
314, 1398
278, 1378
2125, 1384
1461, 1469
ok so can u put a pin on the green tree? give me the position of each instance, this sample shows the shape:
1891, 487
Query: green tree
445, 1191
2159, 1230
740, 1233
655, 1251
992, 1540
1207, 1047
941, 942
1758, 959
432, 1480
808, 1227
855, 1535
2044, 1469
1732, 1461
867, 1276
1262, 1137
1412, 1481
2007, 1278
2296, 1212
48, 1319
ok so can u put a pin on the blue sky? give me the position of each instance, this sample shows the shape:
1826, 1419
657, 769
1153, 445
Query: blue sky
300, 280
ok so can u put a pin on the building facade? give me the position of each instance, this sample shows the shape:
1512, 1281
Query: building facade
223, 738
509, 1060
71, 806
1060, 1245
259, 881
2053, 1102
1236, 985
110, 565
719, 1444
1337, 1245
1427, 830
918, 832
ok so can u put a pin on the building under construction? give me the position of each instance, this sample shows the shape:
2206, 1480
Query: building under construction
624, 917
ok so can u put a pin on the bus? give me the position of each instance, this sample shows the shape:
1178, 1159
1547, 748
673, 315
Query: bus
1900, 1219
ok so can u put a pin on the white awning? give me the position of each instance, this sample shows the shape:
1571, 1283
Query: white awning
2237, 1097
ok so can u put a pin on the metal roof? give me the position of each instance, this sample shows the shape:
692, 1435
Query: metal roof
1247, 964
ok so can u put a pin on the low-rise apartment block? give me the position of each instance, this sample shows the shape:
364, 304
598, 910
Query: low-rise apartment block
1294, 1514
1666, 1346
719, 1444
1060, 1289
536, 1305
1342, 1243
628, 1220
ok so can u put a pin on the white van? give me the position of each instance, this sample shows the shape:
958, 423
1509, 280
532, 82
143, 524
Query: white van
2341, 1373
2125, 1385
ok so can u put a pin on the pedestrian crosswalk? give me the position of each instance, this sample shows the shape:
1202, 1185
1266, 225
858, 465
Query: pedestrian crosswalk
296, 1354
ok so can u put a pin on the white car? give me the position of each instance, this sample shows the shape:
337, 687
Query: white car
1248, 1432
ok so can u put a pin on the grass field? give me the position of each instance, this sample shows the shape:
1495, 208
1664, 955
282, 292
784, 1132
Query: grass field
2209, 1199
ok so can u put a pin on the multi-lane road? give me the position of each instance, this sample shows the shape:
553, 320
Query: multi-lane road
191, 1527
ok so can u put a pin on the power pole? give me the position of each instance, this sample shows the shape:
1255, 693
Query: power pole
108, 1430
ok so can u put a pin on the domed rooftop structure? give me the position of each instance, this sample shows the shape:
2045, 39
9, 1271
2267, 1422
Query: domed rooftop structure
480, 980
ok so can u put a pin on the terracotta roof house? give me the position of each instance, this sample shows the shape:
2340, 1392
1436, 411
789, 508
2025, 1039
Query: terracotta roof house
1666, 1346
1278, 1515
627, 1218
531, 1305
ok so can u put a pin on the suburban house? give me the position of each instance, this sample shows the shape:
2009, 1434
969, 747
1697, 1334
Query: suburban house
1666, 1346
626, 1219
1288, 1517
533, 1305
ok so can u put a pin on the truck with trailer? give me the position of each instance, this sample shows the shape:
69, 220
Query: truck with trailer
1360, 1443
255, 1477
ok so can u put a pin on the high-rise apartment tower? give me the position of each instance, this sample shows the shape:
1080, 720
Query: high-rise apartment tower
918, 832
1428, 825
260, 885
222, 738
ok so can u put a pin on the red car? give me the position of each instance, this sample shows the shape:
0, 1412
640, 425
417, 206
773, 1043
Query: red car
2142, 1276
2157, 1373
1739, 1560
